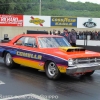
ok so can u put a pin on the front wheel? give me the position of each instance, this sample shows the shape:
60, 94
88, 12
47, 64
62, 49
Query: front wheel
52, 71
89, 73
9, 61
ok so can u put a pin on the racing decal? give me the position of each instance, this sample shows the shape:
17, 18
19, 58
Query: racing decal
35, 55
62, 68
41, 64
29, 55
29, 63
42, 53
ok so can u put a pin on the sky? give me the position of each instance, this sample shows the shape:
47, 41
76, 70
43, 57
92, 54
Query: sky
93, 1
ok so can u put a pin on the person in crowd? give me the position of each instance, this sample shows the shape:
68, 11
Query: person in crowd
84, 35
77, 34
65, 34
58, 32
98, 35
89, 35
72, 37
93, 35
80, 35
54, 31
50, 33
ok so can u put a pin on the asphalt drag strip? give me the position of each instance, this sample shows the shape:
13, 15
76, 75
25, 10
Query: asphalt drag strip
24, 83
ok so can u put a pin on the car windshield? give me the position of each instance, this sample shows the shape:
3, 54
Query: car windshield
52, 42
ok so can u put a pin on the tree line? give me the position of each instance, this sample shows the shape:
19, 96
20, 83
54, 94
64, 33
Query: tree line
50, 8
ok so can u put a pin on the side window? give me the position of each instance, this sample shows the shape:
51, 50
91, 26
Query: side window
20, 41
30, 42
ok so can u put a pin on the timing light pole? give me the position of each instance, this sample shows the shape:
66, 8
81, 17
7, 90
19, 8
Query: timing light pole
40, 8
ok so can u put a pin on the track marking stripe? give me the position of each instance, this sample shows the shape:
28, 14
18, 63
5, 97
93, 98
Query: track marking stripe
1, 82
25, 96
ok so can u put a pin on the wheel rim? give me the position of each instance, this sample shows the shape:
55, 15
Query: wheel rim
8, 59
52, 69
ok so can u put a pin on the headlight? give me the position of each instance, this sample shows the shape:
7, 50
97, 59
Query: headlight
70, 62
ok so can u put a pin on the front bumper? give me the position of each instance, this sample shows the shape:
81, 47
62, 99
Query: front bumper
82, 68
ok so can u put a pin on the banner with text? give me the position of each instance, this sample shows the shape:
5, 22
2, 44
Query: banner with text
11, 20
87, 22
36, 21
64, 21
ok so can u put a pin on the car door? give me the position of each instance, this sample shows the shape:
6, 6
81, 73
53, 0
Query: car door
28, 54
17, 47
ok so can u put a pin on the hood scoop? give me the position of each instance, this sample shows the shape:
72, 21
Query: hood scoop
73, 49
76, 49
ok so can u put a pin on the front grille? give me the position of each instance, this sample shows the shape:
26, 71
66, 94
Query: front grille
87, 60
83, 60
98, 59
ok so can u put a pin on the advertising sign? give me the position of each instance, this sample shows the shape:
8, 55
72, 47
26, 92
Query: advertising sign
64, 21
36, 21
11, 20
83, 22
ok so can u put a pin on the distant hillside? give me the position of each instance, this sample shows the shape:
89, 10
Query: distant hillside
50, 7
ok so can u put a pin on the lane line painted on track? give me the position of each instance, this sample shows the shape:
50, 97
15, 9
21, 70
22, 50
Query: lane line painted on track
25, 96
1, 82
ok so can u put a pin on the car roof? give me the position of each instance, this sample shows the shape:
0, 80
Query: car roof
40, 35
32, 35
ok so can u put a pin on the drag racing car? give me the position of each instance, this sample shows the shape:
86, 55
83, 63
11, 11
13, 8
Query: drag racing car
50, 53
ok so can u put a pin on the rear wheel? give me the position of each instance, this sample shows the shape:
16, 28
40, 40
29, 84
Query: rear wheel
89, 73
52, 71
9, 61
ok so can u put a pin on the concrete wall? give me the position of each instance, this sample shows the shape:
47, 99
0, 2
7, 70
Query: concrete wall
89, 42
13, 31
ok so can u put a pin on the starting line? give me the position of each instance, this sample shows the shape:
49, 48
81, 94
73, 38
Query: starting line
30, 96
25, 96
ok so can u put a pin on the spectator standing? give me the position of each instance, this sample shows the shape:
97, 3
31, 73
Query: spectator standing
50, 33
98, 35
58, 32
93, 35
72, 37
77, 34
65, 34
54, 31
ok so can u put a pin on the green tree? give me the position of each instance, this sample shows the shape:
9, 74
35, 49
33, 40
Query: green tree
4, 6
50, 7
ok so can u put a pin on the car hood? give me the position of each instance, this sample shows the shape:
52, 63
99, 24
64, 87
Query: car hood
78, 52
71, 52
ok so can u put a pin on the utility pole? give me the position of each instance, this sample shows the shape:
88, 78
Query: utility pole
40, 8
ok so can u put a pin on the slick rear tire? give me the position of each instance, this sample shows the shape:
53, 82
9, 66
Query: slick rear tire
52, 71
89, 73
9, 61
